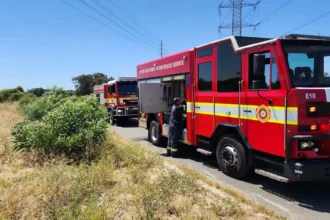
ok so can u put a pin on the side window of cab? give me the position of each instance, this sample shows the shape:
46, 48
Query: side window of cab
271, 80
112, 89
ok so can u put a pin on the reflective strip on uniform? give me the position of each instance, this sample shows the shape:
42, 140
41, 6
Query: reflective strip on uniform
277, 113
172, 149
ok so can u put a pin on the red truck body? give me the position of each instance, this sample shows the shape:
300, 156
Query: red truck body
274, 120
119, 97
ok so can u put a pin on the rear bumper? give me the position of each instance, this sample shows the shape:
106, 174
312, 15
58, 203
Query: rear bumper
306, 171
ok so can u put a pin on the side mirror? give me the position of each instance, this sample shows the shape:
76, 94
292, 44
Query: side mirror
259, 64
259, 61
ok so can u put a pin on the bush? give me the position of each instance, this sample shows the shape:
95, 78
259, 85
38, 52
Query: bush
11, 94
15, 96
73, 127
26, 99
35, 109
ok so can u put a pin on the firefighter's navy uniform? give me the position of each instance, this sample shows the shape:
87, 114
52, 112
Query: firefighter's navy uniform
175, 128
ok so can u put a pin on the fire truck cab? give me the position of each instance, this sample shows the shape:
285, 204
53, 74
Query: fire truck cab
119, 97
257, 104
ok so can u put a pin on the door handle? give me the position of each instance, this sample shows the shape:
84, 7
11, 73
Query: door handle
248, 111
197, 107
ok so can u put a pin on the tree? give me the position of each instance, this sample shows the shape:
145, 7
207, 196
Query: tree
37, 91
84, 83
100, 78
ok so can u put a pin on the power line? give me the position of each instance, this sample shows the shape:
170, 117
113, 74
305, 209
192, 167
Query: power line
107, 27
97, 21
111, 13
129, 17
161, 48
100, 13
309, 22
223, 21
271, 14
249, 13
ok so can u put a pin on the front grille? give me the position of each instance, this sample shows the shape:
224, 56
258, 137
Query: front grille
131, 110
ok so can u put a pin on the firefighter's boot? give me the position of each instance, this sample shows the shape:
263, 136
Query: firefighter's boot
174, 152
168, 152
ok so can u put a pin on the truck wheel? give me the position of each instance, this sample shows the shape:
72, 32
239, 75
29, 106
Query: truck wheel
154, 134
111, 118
232, 157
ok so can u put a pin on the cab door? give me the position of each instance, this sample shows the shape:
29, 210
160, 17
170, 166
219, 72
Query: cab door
205, 85
265, 107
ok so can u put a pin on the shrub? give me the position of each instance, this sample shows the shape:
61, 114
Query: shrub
15, 96
74, 127
35, 109
38, 108
26, 99
11, 94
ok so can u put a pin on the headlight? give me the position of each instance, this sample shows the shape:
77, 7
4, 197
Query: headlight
119, 110
306, 145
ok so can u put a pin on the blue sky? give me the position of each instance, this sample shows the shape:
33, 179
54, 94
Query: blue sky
46, 42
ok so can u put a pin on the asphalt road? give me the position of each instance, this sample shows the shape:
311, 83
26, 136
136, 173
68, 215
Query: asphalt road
294, 201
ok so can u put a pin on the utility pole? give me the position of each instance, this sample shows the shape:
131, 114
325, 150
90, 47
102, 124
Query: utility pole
236, 7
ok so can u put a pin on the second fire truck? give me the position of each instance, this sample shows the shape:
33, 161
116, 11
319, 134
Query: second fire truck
119, 97
257, 104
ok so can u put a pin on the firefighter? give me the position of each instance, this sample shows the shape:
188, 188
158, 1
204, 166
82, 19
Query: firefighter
175, 128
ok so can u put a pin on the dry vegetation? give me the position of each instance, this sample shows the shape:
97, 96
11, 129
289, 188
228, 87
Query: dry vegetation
127, 182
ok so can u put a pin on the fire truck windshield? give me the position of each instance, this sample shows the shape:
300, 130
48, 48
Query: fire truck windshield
308, 62
127, 88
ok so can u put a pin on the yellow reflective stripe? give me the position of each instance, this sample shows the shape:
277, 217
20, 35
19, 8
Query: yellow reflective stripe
205, 113
190, 106
110, 100
277, 113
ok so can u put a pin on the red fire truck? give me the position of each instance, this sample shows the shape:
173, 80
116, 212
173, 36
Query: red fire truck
257, 104
119, 97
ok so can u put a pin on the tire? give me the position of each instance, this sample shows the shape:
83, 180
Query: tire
154, 135
236, 166
111, 118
